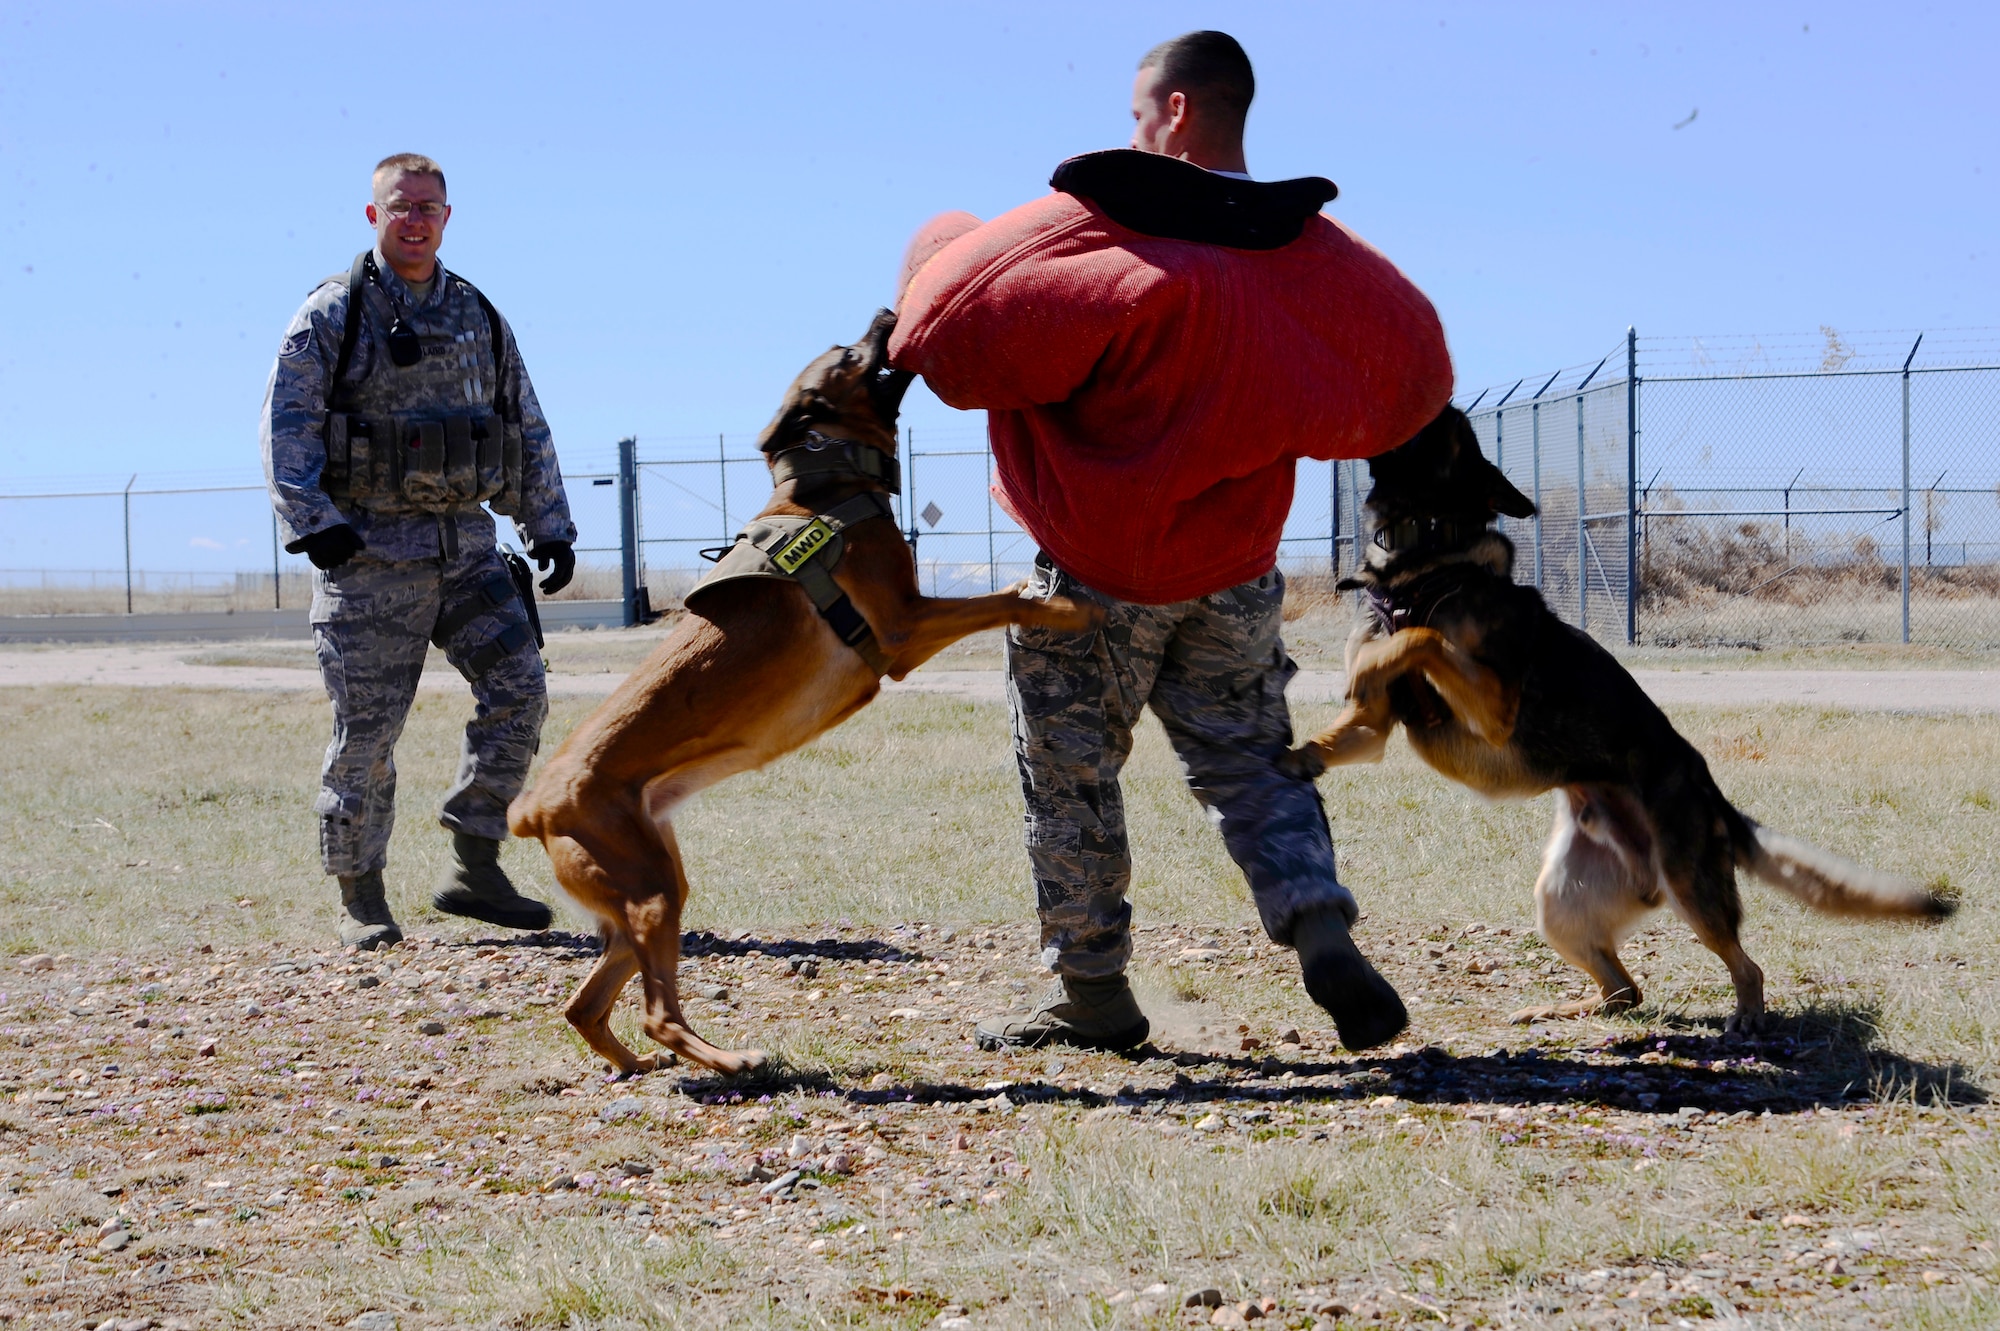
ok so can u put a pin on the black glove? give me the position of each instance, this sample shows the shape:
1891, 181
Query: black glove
331, 548
559, 554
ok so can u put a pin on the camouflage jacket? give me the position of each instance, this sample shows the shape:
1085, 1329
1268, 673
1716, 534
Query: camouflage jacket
295, 409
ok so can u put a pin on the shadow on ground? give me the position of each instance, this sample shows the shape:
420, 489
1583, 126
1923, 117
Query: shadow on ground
708, 944
1823, 1056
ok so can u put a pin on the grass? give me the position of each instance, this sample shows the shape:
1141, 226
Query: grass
148, 816
145, 823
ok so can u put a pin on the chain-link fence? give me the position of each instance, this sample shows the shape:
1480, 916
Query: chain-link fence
1565, 442
1760, 492
1690, 492
196, 544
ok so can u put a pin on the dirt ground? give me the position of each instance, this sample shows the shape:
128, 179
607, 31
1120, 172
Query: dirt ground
212, 1118
300, 1137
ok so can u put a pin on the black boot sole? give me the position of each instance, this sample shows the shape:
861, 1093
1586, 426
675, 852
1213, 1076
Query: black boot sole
1129, 1038
531, 915
1366, 1009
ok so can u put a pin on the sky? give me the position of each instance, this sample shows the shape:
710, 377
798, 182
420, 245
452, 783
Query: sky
677, 206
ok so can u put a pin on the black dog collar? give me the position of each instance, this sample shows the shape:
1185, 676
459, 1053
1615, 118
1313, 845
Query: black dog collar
1407, 534
824, 455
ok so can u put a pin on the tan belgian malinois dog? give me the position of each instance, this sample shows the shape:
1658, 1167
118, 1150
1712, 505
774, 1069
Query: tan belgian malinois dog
771, 653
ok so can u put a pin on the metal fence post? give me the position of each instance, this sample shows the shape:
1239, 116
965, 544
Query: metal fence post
1535, 431
1500, 426
722, 484
277, 595
628, 526
1536, 422
1582, 530
1582, 508
1631, 485
135, 480
910, 508
1357, 507
1333, 519
1906, 483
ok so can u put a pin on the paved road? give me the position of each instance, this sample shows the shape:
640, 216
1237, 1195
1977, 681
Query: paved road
1855, 690
1858, 690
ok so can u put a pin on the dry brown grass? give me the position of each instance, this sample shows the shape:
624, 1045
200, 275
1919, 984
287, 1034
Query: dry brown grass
144, 824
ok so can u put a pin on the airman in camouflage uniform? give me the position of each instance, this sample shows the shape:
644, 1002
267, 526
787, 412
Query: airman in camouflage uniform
379, 479
1102, 342
1214, 671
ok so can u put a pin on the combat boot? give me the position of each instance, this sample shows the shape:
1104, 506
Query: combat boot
475, 886
1096, 1014
365, 921
1366, 1009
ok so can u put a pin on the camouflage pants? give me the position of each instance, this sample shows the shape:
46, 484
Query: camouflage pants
1214, 672
373, 621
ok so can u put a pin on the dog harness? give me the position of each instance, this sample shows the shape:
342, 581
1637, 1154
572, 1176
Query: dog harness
806, 550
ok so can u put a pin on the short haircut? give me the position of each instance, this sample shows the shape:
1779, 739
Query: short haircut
415, 164
1207, 67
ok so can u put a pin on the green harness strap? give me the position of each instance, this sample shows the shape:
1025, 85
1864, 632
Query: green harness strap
806, 551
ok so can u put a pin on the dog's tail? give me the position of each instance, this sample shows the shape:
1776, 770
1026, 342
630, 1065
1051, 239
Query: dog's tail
1826, 882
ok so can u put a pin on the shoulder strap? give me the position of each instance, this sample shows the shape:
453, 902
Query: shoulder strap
351, 330
501, 360
872, 504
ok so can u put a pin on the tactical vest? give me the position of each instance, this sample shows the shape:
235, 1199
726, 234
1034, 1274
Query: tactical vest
433, 437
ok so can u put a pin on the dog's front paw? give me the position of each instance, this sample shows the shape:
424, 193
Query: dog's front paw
1067, 616
1304, 763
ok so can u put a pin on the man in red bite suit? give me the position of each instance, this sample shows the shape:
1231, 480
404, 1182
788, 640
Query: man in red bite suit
1156, 344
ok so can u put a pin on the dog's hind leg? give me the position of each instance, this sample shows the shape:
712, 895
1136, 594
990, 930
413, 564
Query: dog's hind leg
656, 937
1594, 886
1704, 892
589, 1009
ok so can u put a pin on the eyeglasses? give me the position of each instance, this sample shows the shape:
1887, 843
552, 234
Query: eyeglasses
430, 210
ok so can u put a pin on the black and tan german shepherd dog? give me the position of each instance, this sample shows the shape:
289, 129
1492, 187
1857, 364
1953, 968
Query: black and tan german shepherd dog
1500, 695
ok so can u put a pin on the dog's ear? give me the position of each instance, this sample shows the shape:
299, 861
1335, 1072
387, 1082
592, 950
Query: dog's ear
1501, 494
1505, 497
788, 424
